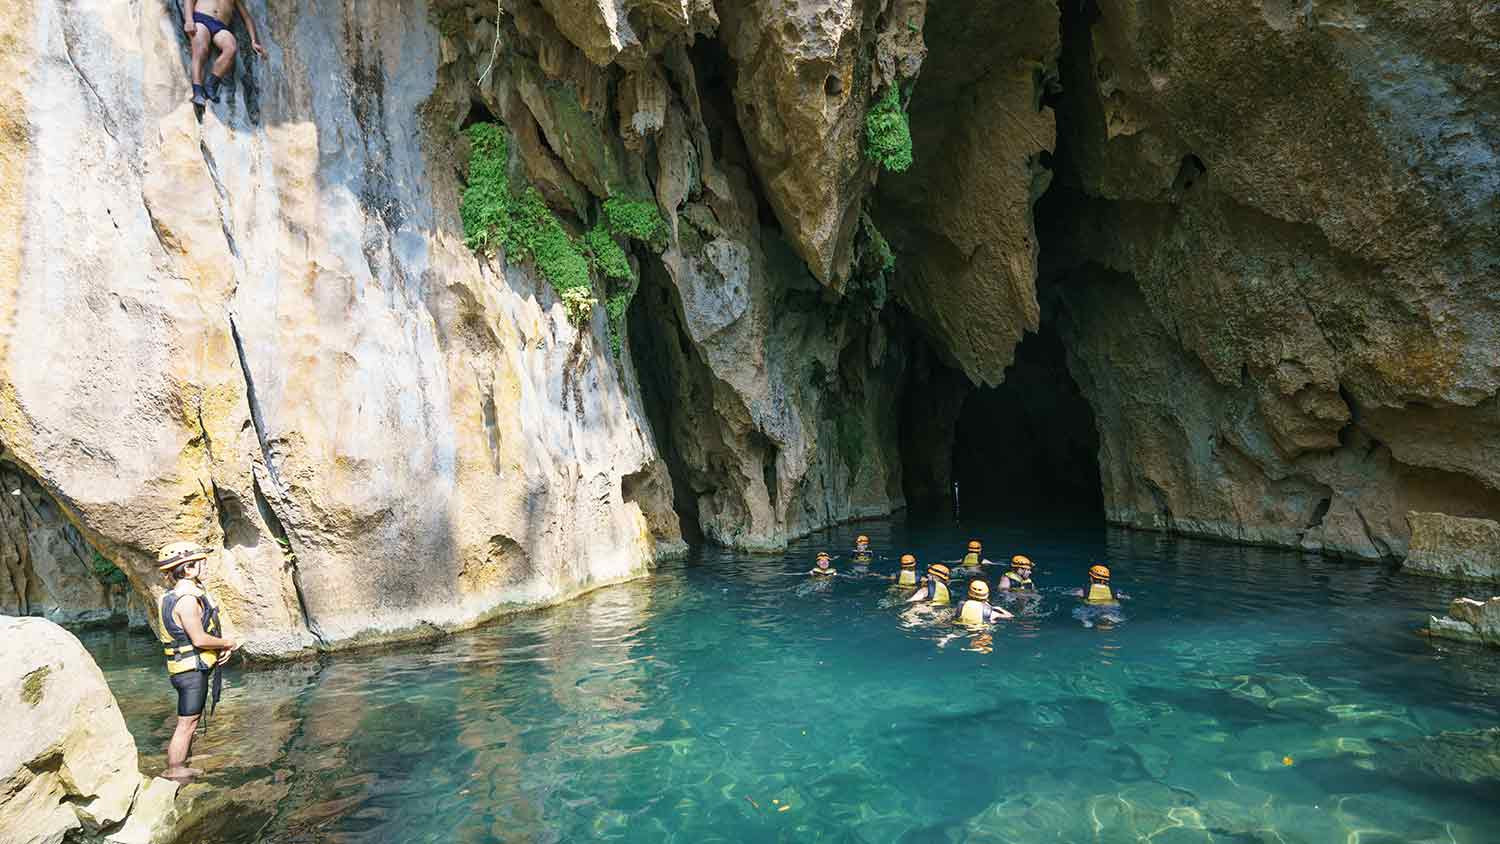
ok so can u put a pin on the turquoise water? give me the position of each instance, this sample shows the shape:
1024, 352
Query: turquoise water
694, 705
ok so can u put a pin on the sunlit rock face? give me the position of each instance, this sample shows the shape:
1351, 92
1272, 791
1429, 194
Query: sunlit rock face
1267, 233
259, 328
68, 763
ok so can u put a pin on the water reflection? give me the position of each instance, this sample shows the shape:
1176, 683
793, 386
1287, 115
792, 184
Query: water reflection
720, 700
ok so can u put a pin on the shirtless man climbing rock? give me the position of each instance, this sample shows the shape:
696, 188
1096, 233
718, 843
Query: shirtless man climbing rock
207, 22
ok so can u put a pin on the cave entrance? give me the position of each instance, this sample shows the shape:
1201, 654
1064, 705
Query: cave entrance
1028, 446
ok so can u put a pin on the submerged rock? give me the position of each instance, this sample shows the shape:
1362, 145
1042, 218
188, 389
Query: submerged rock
1469, 620
67, 762
1453, 547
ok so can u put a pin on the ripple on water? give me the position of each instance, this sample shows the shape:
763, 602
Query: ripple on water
1249, 695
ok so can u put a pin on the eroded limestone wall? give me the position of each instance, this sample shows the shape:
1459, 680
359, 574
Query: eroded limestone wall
258, 327
1287, 315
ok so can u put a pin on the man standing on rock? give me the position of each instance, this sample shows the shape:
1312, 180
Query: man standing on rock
193, 646
207, 22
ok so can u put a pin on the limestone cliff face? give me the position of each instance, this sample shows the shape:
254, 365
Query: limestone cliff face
261, 329
1265, 233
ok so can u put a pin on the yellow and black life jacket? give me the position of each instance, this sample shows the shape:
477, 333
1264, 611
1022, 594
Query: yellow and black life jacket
971, 560
828, 572
908, 577
182, 654
975, 612
1019, 583
937, 592
861, 558
1099, 593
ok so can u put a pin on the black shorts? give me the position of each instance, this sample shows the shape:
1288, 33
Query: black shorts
192, 691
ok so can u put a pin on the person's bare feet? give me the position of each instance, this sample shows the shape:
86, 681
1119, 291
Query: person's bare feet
181, 774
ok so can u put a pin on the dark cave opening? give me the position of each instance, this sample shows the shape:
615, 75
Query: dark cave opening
666, 367
1028, 445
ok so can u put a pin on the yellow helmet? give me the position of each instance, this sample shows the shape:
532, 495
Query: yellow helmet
939, 571
979, 590
861, 538
908, 561
1021, 561
974, 545
174, 554
1099, 572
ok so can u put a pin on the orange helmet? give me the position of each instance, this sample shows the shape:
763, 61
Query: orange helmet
908, 561
823, 555
979, 590
974, 545
1021, 561
1099, 572
939, 571
861, 538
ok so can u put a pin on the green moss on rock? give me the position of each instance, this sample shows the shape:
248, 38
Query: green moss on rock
636, 219
495, 215
887, 133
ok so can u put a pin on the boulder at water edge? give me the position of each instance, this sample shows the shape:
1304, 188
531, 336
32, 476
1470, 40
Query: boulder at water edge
1449, 546
67, 761
1470, 621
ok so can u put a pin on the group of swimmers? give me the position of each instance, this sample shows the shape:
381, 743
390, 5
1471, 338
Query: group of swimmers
934, 588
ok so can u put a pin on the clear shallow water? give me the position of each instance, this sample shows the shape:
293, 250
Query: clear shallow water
695, 704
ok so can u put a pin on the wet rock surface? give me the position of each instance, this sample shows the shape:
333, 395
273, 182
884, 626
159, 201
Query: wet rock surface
1469, 620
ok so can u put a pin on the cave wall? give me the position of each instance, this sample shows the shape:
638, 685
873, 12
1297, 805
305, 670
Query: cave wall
1269, 228
261, 328
1278, 237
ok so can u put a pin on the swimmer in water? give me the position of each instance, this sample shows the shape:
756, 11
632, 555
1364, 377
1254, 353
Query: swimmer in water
934, 589
824, 566
1018, 579
976, 611
973, 558
1098, 593
908, 576
861, 556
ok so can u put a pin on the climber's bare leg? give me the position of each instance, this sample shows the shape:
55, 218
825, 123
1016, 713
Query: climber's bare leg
201, 42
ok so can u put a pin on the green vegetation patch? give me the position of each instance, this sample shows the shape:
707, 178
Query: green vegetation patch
609, 258
879, 249
497, 214
107, 573
636, 219
887, 133
520, 222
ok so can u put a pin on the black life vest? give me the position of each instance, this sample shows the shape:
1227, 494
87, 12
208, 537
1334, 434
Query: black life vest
182, 655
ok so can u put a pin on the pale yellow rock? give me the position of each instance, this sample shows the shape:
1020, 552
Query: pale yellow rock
68, 761
273, 341
152, 818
